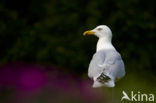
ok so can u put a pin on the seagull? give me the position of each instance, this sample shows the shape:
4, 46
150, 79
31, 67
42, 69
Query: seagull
106, 66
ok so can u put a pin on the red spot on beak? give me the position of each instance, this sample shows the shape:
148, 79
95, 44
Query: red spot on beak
86, 34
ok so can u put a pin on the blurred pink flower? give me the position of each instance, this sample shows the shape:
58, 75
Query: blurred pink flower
22, 77
30, 80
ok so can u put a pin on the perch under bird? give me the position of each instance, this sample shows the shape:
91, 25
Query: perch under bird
106, 66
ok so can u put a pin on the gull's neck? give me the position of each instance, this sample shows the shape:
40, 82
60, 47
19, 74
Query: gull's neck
104, 43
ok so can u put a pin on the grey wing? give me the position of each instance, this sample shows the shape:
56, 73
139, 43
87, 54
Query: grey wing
115, 66
94, 68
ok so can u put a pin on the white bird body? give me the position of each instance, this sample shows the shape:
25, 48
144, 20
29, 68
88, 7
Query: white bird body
103, 44
106, 65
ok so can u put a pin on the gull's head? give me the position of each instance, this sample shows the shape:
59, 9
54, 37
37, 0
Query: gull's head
100, 31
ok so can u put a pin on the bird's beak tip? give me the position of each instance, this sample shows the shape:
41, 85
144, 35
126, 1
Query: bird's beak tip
89, 32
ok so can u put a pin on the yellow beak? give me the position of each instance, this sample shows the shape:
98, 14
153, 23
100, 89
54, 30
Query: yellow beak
89, 32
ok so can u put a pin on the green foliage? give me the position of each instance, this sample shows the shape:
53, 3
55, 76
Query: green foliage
51, 31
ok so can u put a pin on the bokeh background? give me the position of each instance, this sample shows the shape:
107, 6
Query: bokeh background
44, 57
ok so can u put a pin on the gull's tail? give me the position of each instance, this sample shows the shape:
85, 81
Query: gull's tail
103, 80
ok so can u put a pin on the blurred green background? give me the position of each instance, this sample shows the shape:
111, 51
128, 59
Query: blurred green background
50, 32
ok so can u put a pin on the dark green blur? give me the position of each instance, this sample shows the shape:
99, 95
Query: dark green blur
50, 31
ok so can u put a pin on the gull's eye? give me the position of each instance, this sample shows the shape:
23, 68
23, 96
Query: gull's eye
99, 29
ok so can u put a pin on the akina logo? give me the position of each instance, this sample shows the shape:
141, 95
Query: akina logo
137, 96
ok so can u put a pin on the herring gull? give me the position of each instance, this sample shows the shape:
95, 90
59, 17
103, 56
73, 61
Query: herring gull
106, 66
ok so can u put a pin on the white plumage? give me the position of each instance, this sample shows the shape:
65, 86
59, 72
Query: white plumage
106, 65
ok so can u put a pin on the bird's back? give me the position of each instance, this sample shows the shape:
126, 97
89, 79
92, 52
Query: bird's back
110, 57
